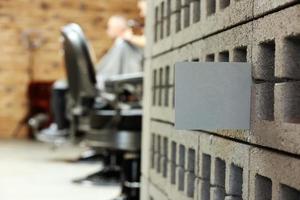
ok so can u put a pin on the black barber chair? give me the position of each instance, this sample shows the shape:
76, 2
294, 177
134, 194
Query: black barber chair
81, 101
82, 92
113, 124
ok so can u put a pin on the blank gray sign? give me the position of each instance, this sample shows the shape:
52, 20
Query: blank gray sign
212, 96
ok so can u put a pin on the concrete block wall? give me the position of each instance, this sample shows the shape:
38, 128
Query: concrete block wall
205, 166
260, 163
273, 176
276, 73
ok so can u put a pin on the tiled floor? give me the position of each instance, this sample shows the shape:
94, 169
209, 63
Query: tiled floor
32, 171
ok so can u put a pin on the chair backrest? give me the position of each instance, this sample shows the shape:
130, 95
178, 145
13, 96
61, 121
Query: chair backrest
86, 48
78, 63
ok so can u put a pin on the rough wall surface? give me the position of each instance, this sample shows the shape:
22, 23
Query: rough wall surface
41, 20
262, 163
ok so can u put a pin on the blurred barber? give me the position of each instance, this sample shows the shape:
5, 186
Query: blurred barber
138, 40
123, 57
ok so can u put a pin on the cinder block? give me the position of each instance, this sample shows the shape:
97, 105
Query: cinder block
262, 7
228, 162
281, 133
159, 175
267, 176
189, 141
236, 42
272, 44
288, 102
163, 108
214, 19
184, 186
183, 165
164, 43
164, 111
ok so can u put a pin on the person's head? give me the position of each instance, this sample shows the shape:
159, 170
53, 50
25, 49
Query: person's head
116, 26
142, 5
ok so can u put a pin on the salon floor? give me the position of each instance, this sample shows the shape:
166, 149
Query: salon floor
34, 171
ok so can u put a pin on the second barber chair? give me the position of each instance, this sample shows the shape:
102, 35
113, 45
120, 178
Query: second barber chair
111, 124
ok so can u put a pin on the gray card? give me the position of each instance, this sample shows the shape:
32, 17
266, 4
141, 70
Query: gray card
212, 96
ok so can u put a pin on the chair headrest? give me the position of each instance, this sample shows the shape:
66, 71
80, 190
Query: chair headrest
78, 62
